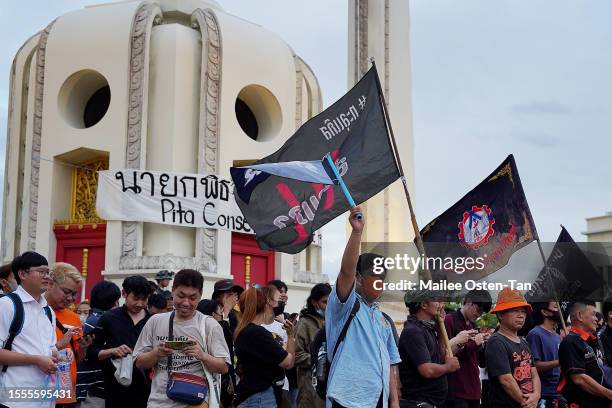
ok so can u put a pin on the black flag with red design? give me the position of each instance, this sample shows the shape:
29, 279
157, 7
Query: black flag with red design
285, 213
490, 222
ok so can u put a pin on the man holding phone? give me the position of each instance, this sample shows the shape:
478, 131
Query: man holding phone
198, 346
466, 342
90, 379
63, 288
120, 328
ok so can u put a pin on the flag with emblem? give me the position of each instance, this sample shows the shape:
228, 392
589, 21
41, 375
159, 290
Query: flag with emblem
284, 209
491, 222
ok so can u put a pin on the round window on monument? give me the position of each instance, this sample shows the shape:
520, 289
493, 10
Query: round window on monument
84, 99
258, 113
96, 106
246, 119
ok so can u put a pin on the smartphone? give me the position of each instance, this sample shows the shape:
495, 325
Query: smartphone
179, 344
70, 327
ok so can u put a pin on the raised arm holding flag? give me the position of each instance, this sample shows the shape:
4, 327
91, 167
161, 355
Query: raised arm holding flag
285, 210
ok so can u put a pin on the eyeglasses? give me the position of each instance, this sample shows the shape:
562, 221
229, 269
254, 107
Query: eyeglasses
41, 271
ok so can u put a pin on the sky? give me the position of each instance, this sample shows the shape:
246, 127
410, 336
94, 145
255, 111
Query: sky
532, 78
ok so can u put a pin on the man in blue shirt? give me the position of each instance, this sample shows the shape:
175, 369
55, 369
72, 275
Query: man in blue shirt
362, 372
544, 344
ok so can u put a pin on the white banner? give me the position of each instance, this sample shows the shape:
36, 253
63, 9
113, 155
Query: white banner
189, 200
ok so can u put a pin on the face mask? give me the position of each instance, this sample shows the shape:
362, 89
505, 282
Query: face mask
279, 309
13, 285
321, 312
555, 316
83, 318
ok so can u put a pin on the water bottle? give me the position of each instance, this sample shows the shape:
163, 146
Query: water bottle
322, 361
64, 377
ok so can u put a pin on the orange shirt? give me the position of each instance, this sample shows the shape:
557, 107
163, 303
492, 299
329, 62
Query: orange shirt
68, 318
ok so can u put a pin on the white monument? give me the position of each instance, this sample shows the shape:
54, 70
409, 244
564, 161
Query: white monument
173, 85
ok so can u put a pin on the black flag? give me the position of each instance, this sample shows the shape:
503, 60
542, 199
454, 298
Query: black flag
284, 213
490, 222
569, 275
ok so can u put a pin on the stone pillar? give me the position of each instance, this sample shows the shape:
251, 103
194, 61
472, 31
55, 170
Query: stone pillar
381, 29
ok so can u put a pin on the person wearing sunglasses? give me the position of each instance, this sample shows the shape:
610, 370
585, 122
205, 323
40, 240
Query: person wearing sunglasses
65, 281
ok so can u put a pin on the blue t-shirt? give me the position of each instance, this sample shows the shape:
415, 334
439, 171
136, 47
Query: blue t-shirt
545, 347
360, 372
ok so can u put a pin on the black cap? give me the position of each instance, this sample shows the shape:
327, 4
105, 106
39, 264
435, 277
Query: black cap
226, 285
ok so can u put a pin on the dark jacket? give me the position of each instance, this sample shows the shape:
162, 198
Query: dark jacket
307, 327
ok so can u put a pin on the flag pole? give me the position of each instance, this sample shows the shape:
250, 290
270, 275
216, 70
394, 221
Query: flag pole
563, 326
345, 190
417, 232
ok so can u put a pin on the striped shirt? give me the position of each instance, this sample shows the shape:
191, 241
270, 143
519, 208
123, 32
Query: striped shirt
89, 371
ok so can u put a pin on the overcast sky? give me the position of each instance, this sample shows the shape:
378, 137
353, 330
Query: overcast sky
532, 78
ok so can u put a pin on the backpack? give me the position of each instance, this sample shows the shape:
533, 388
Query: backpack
17, 322
318, 354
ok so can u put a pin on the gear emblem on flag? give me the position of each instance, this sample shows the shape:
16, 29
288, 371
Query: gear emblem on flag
476, 227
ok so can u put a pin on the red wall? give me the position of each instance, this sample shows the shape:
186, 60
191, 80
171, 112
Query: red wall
70, 245
262, 262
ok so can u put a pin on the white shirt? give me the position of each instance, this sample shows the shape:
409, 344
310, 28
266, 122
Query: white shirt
37, 337
278, 331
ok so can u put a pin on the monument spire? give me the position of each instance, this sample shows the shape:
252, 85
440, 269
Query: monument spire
380, 29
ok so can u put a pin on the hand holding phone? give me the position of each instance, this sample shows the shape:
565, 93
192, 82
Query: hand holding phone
178, 344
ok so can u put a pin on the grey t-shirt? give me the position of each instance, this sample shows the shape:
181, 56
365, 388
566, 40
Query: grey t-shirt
156, 332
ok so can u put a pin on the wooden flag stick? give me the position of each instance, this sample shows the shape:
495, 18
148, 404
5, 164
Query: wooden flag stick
398, 162
417, 232
563, 326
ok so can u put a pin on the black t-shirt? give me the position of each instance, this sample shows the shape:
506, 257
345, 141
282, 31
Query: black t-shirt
258, 358
118, 328
418, 344
504, 356
577, 356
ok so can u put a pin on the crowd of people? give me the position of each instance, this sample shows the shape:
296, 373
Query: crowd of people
168, 344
